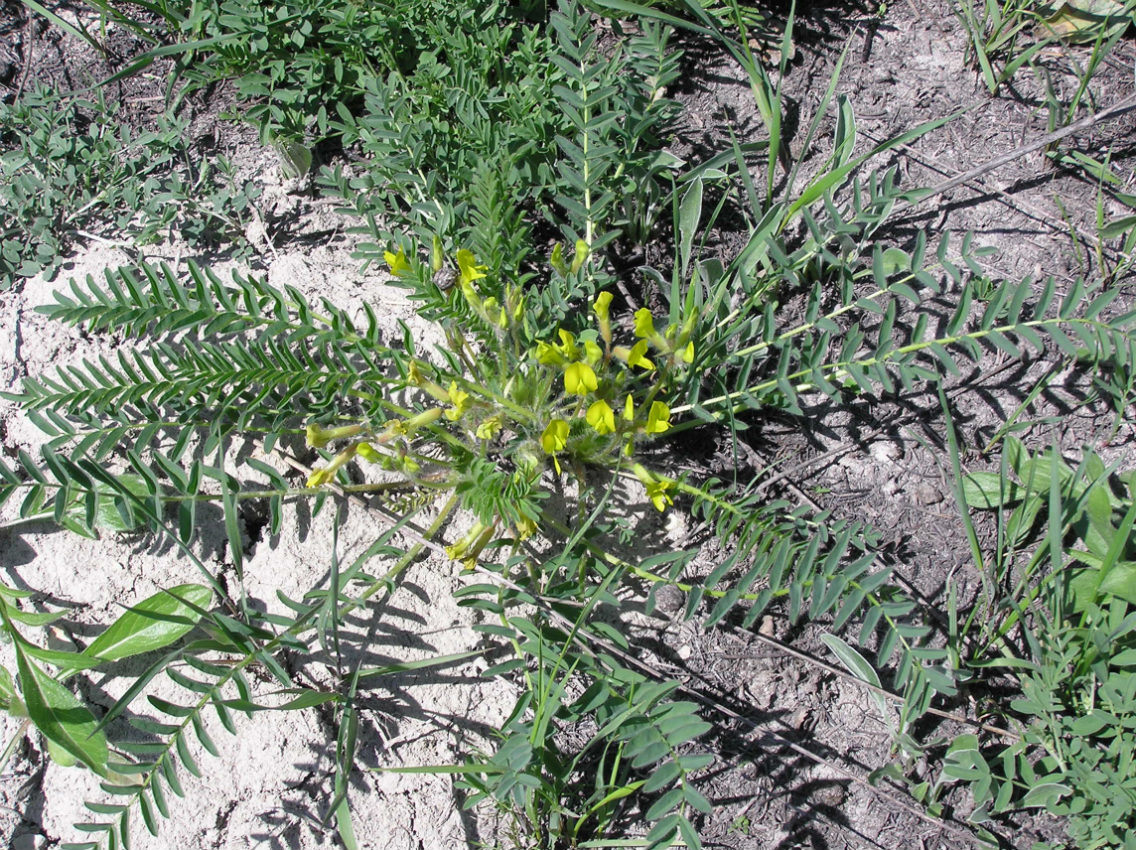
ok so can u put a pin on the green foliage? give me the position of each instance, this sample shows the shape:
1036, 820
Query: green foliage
1007, 35
1119, 230
568, 797
71, 168
72, 732
302, 64
1057, 614
611, 173
469, 116
497, 127
995, 29
219, 360
478, 130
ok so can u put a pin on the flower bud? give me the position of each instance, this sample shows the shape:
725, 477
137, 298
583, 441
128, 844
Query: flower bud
318, 437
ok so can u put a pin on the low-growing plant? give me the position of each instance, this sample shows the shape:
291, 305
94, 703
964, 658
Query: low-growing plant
1113, 264
72, 170
541, 418
1008, 35
994, 28
544, 123
1056, 614
485, 419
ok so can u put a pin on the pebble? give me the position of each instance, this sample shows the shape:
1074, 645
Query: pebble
927, 494
884, 452
669, 599
831, 795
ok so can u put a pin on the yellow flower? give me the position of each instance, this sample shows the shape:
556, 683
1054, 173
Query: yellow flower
637, 356
471, 544
488, 429
319, 477
554, 439
629, 409
656, 487
426, 417
581, 255
437, 259
514, 302
556, 260
495, 313
548, 354
580, 379
318, 437
460, 400
658, 419
568, 345
644, 323
555, 436
602, 306
470, 270
397, 262
551, 354
592, 353
687, 355
525, 528
603, 303
657, 493
368, 453
601, 417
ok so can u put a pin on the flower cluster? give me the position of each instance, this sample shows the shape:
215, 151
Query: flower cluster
596, 373
504, 393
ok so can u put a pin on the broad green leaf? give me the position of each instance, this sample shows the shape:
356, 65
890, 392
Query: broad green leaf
1090, 724
1118, 227
59, 715
1084, 586
1045, 795
859, 667
100, 508
1087, 20
153, 623
36, 619
107, 513
1127, 658
70, 661
986, 490
14, 593
1121, 581
895, 260
689, 214
1035, 472
295, 158
59, 755
1098, 506
9, 700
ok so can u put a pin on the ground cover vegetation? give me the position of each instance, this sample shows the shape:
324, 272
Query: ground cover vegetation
503, 160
